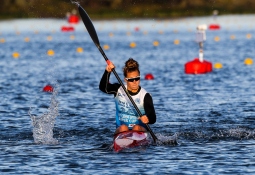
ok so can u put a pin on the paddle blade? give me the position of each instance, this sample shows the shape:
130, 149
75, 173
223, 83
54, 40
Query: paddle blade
88, 24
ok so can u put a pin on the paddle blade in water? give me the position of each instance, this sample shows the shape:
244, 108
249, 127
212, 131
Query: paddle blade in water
88, 24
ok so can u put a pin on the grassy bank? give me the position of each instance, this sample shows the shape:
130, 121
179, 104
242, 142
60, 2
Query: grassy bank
113, 9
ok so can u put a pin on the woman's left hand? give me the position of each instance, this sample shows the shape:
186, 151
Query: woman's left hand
144, 119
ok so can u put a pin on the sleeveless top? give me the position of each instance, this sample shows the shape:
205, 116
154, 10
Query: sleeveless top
125, 111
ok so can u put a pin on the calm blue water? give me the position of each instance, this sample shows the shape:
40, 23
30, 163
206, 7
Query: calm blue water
212, 114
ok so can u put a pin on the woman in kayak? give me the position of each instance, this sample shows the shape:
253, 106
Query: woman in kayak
127, 117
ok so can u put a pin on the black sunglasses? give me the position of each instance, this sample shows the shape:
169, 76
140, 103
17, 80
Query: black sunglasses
133, 79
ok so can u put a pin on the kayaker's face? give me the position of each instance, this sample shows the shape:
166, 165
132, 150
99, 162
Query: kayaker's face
133, 81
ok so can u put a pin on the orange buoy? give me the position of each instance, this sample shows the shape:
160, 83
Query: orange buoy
248, 36
49, 38
248, 61
232, 37
155, 43
149, 77
197, 67
176, 42
106, 47
48, 88
15, 55
132, 44
26, 39
74, 19
2, 40
218, 65
217, 38
161, 32
50, 52
214, 27
67, 29
72, 37
79, 50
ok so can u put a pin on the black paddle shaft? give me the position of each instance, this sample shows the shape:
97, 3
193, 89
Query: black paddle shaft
92, 32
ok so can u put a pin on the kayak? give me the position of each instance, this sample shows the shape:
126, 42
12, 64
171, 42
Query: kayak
131, 139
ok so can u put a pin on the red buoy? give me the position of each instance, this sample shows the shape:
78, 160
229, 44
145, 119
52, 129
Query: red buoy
137, 29
67, 29
74, 19
149, 77
214, 27
208, 66
48, 88
197, 67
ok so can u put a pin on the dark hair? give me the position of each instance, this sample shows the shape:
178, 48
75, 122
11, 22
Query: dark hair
130, 66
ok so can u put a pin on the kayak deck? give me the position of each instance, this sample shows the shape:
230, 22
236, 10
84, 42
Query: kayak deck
130, 139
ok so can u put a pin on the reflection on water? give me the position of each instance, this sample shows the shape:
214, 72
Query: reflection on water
72, 129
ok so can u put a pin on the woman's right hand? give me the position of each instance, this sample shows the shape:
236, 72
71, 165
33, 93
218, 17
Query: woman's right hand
109, 66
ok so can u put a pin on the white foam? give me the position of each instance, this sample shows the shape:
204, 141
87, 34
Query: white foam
43, 125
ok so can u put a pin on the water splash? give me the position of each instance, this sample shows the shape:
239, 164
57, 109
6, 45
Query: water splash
43, 125
241, 133
238, 133
167, 140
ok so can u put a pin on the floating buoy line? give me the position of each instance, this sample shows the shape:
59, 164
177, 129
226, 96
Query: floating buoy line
192, 67
195, 66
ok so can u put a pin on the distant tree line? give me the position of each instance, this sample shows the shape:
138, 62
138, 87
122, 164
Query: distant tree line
103, 9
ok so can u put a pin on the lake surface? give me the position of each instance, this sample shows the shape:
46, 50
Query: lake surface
212, 114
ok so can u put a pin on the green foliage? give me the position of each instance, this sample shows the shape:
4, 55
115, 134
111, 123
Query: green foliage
102, 9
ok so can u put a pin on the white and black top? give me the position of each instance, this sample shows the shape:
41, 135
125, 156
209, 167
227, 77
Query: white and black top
125, 112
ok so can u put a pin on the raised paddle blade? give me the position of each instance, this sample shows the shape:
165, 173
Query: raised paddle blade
88, 24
